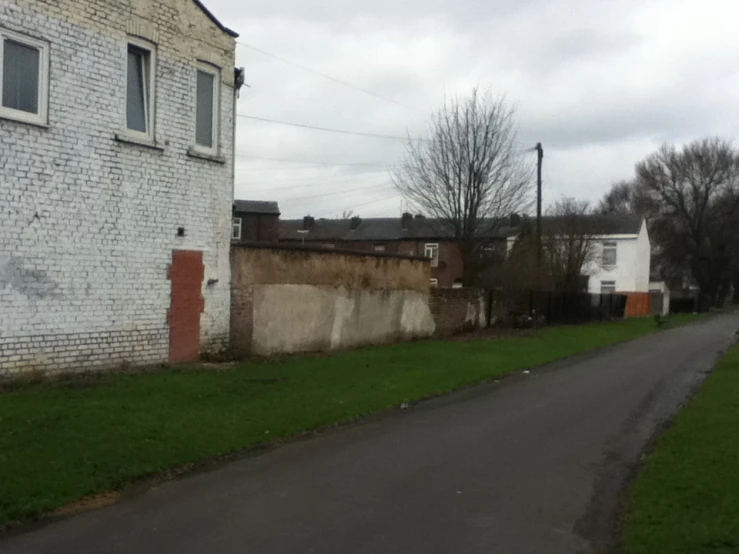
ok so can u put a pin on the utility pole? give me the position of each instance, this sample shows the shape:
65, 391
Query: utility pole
540, 157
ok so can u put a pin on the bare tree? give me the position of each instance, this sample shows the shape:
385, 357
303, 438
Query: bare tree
694, 194
569, 249
569, 245
625, 197
469, 175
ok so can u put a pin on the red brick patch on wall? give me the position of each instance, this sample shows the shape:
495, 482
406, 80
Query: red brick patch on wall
186, 273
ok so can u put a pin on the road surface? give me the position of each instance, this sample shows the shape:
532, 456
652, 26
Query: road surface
534, 464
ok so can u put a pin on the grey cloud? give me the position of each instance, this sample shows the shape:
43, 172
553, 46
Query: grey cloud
600, 83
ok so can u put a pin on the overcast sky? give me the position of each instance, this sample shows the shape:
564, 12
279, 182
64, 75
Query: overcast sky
601, 83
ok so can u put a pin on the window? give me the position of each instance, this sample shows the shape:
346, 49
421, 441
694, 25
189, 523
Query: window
434, 282
328, 245
379, 247
206, 108
609, 254
24, 78
431, 251
140, 90
607, 287
236, 228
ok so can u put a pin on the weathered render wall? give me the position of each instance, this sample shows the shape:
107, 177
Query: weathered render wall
287, 299
89, 223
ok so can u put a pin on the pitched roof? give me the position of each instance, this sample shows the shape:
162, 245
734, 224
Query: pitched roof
213, 18
256, 207
609, 224
369, 229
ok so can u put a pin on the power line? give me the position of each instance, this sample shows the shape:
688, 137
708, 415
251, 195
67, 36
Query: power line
327, 129
340, 192
314, 182
354, 206
329, 77
296, 167
318, 163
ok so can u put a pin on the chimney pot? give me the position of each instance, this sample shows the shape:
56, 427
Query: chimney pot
405, 220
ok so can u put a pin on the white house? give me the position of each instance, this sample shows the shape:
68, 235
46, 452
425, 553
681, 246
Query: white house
621, 252
116, 182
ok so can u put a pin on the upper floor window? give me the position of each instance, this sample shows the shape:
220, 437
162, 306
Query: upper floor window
140, 89
206, 108
431, 251
24, 77
609, 254
236, 228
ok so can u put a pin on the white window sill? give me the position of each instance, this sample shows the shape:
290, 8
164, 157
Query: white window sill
128, 139
195, 153
24, 120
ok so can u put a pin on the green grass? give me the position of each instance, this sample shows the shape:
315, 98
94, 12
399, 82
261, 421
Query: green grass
61, 441
686, 499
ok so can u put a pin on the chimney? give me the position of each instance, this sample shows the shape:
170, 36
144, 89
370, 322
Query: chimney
356, 221
406, 220
308, 222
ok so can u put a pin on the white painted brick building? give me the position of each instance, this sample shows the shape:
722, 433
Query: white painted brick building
116, 150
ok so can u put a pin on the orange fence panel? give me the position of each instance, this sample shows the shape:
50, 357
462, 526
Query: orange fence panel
638, 304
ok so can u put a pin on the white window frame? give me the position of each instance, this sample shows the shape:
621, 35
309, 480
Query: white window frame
378, 248
150, 99
40, 118
608, 284
328, 245
215, 71
235, 222
433, 283
610, 245
431, 251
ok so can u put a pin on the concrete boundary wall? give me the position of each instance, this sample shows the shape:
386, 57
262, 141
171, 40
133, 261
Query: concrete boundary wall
294, 299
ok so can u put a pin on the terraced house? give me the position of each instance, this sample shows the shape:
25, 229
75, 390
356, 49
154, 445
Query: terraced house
116, 182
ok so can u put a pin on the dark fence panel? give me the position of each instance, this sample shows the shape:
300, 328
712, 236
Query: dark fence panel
552, 308
683, 305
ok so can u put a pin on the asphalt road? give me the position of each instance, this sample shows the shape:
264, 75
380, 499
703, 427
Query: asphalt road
534, 464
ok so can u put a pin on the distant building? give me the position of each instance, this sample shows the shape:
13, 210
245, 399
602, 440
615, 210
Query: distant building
255, 221
622, 252
116, 183
414, 236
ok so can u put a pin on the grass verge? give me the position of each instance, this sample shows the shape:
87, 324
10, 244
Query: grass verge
686, 498
62, 441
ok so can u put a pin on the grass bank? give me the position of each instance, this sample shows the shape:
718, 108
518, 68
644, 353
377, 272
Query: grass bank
61, 441
686, 498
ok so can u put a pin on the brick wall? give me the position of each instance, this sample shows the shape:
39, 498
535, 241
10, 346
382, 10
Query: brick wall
259, 227
457, 310
89, 224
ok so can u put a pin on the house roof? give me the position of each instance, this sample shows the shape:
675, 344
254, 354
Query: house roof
610, 224
369, 229
256, 207
213, 18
